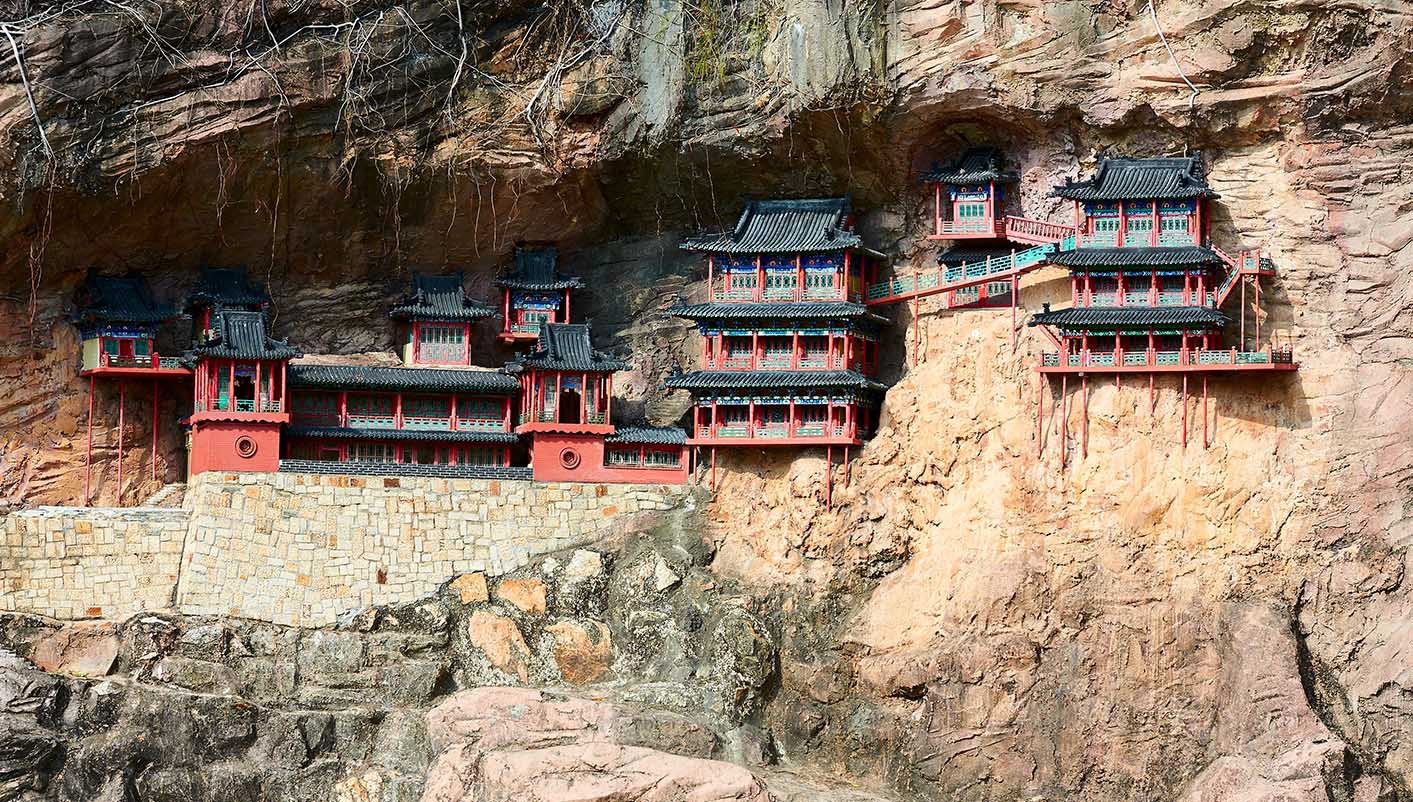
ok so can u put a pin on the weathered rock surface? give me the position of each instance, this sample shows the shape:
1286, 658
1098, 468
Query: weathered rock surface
972, 621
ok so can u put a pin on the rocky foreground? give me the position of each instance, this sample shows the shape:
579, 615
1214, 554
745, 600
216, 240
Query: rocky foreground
974, 620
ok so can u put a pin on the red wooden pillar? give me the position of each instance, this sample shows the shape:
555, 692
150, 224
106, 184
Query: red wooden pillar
1084, 420
829, 477
156, 398
760, 280
567, 318
583, 398
711, 285
122, 403
88, 450
416, 343
937, 206
1153, 240
505, 323
1184, 411
1205, 441
1064, 417
258, 406
284, 384
343, 407
1040, 416
608, 399
466, 344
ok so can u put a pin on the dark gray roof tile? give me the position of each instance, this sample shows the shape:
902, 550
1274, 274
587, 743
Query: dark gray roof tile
772, 379
366, 377
784, 226
238, 334
567, 346
535, 270
406, 435
227, 286
803, 310
440, 298
1135, 257
1125, 178
120, 299
1106, 317
649, 435
975, 166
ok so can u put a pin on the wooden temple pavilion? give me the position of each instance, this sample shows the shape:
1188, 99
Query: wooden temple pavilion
967, 195
437, 319
788, 350
241, 394
118, 322
566, 409
400, 415
534, 294
1147, 285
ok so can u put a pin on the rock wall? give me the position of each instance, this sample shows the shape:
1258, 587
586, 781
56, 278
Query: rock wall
72, 562
301, 548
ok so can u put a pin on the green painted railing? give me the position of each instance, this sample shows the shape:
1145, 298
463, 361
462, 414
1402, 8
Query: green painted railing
942, 277
1142, 358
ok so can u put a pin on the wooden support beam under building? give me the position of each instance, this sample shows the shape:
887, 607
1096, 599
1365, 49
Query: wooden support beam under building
88, 450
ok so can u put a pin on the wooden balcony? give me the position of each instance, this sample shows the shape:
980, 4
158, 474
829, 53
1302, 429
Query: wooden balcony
775, 434
1188, 360
974, 228
1036, 232
422, 423
153, 366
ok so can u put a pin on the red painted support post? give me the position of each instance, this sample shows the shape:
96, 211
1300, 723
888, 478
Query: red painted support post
1152, 400
1084, 420
88, 450
1241, 337
122, 403
713, 462
567, 318
829, 477
848, 467
1064, 417
155, 397
917, 321
1040, 417
1014, 293
1184, 411
1205, 441
1257, 309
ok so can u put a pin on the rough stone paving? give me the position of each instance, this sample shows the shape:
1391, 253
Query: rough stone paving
299, 548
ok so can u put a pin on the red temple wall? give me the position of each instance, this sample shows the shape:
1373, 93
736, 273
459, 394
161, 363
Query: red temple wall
559, 457
216, 446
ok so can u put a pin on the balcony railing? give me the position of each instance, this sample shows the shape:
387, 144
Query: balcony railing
524, 328
549, 416
975, 225
772, 431
227, 404
372, 421
426, 423
1155, 358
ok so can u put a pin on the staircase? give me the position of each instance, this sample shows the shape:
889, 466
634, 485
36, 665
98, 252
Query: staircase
940, 279
1245, 263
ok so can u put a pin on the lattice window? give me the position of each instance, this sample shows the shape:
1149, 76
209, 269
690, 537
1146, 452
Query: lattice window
372, 452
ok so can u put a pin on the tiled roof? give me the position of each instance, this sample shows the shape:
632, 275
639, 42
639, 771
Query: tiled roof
973, 256
535, 270
1125, 178
649, 435
567, 346
1108, 317
777, 311
435, 298
365, 377
1135, 257
772, 379
784, 226
975, 166
417, 435
239, 334
121, 299
226, 286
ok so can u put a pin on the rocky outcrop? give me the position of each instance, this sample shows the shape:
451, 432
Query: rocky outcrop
973, 620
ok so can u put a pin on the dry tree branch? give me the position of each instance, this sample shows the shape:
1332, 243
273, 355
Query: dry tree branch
29, 91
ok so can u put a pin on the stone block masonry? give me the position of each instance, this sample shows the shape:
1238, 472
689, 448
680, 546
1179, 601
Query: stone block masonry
75, 562
301, 549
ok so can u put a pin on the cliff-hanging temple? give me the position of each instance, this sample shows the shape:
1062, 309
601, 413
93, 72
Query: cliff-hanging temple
790, 344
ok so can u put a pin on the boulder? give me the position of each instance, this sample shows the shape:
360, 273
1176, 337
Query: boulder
583, 650
470, 588
86, 649
501, 642
502, 744
529, 595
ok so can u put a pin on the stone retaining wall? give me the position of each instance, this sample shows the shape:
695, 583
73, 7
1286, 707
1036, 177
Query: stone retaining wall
76, 562
298, 548
303, 548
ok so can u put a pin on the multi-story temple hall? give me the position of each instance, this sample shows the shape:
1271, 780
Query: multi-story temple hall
789, 352
1148, 285
118, 324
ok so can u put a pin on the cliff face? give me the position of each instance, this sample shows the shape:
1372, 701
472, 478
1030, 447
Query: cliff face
973, 620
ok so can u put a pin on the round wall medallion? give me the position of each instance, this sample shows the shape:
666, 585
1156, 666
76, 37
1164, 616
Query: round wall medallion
569, 458
245, 447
